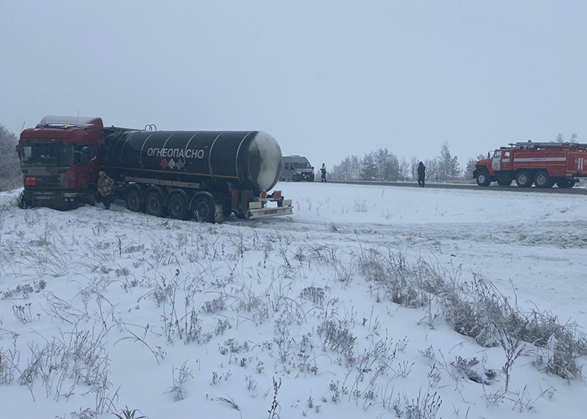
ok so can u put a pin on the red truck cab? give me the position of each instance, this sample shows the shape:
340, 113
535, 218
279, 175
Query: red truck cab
60, 161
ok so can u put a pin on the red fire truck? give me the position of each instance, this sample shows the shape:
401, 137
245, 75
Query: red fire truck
541, 164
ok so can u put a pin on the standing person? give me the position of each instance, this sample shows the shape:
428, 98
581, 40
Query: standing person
421, 174
323, 171
106, 189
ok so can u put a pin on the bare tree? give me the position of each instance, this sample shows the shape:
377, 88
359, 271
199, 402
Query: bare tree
560, 138
10, 173
414, 168
369, 169
448, 165
468, 173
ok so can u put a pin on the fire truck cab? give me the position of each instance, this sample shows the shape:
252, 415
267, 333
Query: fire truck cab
541, 164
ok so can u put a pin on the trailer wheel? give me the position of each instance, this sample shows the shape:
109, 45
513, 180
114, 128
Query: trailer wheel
154, 204
203, 209
524, 179
177, 207
565, 183
483, 179
133, 200
543, 180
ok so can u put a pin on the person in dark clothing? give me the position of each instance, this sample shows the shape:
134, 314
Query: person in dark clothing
323, 171
421, 174
106, 189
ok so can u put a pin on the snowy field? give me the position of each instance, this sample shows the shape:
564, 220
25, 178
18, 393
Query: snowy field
368, 302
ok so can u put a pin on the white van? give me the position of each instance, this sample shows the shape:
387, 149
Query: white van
296, 169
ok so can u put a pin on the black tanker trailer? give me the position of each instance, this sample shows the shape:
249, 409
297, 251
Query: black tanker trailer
203, 174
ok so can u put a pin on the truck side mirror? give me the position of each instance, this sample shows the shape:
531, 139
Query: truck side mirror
85, 157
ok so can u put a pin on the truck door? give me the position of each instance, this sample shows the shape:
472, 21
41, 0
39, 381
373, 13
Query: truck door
506, 161
496, 161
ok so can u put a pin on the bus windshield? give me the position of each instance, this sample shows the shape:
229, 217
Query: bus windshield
46, 155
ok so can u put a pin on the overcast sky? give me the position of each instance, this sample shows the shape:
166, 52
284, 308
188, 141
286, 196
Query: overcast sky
327, 78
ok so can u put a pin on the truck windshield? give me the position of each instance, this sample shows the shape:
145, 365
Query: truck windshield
301, 165
46, 155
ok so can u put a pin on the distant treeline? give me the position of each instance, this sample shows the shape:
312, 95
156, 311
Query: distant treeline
10, 173
383, 165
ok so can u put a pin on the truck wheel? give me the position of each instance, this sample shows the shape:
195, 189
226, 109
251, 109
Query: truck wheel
543, 180
524, 179
154, 204
565, 183
133, 200
203, 209
177, 207
504, 182
483, 179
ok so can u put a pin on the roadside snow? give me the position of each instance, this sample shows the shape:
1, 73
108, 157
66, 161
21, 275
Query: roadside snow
100, 309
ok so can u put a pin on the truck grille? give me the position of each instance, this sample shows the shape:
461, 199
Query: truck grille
47, 182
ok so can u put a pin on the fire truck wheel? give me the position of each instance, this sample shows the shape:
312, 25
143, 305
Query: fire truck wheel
543, 180
133, 200
483, 179
154, 204
203, 209
524, 179
504, 182
177, 207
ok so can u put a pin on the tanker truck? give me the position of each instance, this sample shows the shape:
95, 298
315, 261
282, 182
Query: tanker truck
206, 175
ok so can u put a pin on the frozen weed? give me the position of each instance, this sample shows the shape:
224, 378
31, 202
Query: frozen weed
22, 313
178, 389
472, 370
337, 337
394, 275
126, 413
193, 331
228, 400
23, 291
9, 360
275, 408
251, 385
422, 407
403, 369
284, 342
122, 272
218, 378
360, 205
231, 346
222, 326
215, 305
313, 294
